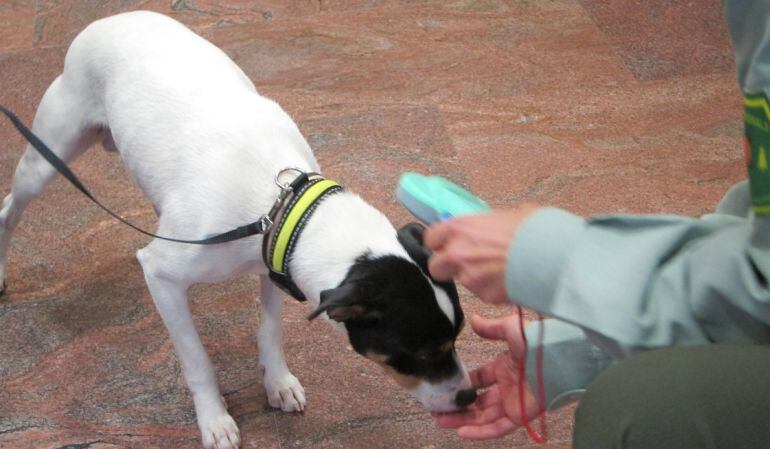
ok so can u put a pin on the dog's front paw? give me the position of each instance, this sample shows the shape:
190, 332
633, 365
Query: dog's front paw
285, 392
218, 430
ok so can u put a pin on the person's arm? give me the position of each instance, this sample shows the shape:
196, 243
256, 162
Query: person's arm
570, 360
639, 282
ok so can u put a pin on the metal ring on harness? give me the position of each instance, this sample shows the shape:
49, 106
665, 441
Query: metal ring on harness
286, 186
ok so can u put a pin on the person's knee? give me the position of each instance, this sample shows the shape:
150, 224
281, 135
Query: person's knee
680, 398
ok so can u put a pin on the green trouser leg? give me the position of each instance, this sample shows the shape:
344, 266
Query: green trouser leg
709, 397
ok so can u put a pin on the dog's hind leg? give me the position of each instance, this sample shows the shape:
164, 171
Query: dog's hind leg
62, 123
218, 429
283, 389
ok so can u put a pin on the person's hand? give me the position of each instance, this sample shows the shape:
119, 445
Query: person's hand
474, 249
497, 411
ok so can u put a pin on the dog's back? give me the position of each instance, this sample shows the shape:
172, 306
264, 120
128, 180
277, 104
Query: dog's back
183, 115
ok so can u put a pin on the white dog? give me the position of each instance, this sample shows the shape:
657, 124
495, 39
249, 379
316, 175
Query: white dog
205, 147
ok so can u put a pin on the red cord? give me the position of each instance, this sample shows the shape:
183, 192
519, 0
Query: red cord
540, 438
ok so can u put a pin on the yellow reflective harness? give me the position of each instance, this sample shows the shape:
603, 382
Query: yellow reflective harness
289, 215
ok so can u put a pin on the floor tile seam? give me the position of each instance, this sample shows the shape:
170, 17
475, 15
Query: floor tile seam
605, 39
617, 49
309, 17
707, 76
277, 431
495, 111
401, 11
34, 48
214, 25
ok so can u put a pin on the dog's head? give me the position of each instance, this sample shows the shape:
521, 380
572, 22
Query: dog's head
398, 316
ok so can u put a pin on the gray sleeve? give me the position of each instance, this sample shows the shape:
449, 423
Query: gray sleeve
570, 361
748, 22
640, 282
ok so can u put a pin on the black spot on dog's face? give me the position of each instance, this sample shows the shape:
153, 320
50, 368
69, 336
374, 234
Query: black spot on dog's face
392, 316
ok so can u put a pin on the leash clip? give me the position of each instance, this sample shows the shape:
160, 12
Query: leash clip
264, 224
287, 190
286, 187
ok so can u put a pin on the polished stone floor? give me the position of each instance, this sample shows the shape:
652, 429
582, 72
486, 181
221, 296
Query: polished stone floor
591, 105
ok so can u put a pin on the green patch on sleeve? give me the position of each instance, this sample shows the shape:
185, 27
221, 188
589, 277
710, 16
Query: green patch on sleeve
757, 125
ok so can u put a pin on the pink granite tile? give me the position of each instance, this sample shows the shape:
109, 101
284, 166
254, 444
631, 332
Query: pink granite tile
24, 76
358, 56
630, 148
103, 370
59, 21
660, 39
17, 24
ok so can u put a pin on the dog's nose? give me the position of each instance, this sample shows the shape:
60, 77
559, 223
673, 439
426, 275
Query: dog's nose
465, 398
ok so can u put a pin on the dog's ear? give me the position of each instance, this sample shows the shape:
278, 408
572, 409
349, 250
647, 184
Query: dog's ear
343, 304
410, 237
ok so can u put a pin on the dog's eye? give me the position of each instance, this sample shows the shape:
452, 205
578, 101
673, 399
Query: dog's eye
435, 353
422, 357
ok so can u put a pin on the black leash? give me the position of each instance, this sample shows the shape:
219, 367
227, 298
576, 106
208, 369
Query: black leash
258, 227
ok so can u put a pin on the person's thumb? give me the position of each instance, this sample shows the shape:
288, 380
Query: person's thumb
489, 328
513, 326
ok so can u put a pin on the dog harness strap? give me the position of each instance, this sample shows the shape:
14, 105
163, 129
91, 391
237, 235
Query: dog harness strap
278, 245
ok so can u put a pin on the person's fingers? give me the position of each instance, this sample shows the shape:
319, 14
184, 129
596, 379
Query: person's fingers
436, 236
443, 266
495, 429
473, 417
453, 420
489, 328
507, 328
488, 398
484, 376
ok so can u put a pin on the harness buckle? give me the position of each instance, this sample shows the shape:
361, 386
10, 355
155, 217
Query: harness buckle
264, 223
